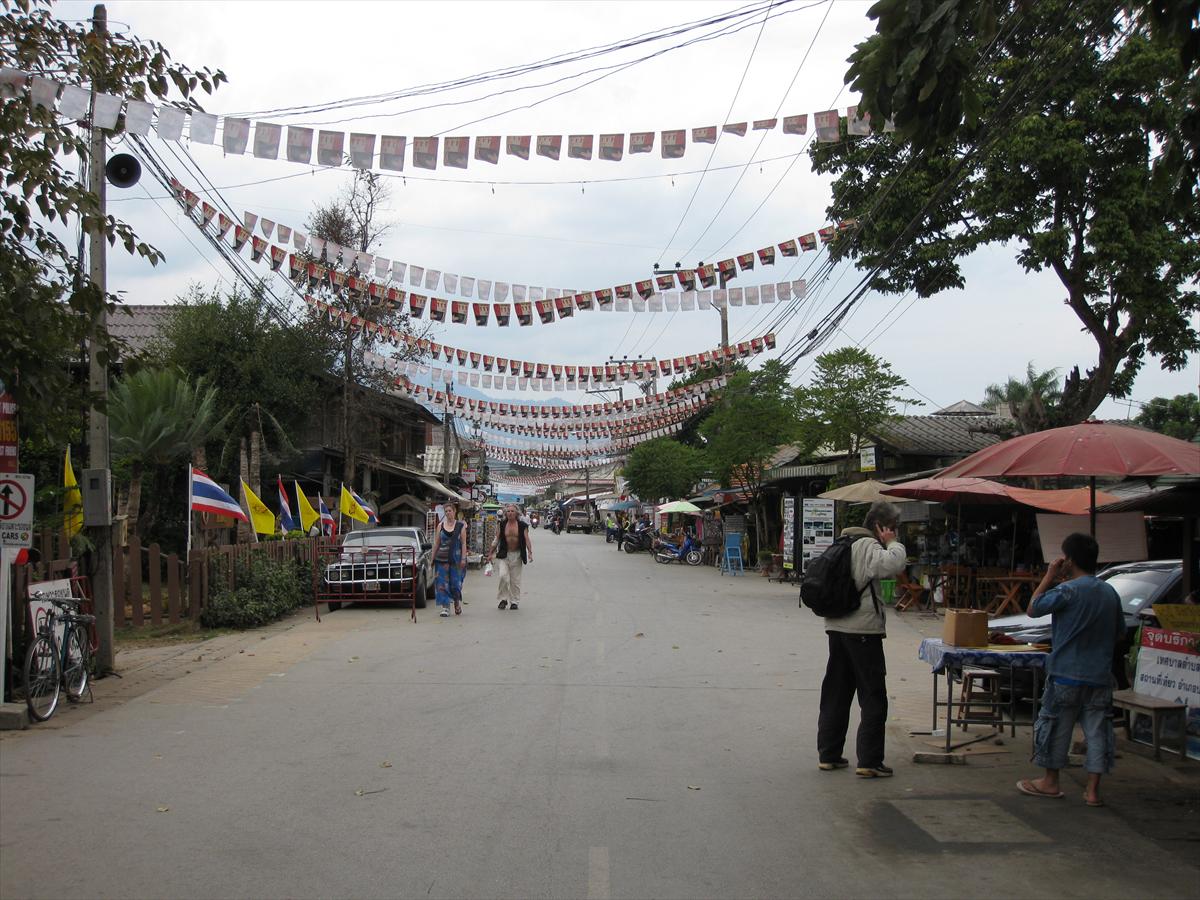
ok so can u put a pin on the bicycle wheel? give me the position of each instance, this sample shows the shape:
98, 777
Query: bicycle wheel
76, 672
42, 682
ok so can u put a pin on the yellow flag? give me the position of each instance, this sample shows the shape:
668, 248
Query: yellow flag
260, 516
308, 515
351, 508
72, 499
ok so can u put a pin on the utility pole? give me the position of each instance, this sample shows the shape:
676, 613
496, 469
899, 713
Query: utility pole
101, 535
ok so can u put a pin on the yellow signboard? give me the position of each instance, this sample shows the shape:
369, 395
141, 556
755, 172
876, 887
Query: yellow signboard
1178, 616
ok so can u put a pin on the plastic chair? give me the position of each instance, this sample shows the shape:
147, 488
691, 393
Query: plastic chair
732, 560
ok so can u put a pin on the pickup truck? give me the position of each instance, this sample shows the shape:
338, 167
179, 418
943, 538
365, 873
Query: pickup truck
377, 565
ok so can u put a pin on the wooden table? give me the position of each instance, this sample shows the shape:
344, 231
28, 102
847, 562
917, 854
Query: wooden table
1008, 594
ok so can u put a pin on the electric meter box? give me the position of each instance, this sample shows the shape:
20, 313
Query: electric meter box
96, 489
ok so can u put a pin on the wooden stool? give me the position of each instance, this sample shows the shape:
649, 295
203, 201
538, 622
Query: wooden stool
1133, 702
988, 692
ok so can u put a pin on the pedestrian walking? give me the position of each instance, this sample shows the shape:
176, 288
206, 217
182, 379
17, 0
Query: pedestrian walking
449, 561
1088, 624
514, 549
856, 662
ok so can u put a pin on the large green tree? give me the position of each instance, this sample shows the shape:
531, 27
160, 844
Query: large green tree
755, 417
1178, 416
921, 68
851, 393
663, 468
264, 371
43, 160
1055, 160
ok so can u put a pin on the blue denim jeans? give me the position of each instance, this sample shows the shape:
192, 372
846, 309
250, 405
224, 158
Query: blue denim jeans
1062, 706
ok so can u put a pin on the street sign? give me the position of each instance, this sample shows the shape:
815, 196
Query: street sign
16, 510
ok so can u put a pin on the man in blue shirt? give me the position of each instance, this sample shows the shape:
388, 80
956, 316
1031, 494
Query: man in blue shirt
1088, 622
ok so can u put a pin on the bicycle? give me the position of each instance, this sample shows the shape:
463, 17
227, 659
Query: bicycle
50, 665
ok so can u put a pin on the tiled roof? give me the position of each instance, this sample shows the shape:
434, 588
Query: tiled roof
939, 435
138, 325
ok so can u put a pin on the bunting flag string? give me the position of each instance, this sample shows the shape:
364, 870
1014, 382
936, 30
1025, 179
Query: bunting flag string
640, 294
487, 411
391, 152
313, 262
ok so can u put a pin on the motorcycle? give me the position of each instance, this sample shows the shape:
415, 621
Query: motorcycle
689, 552
636, 541
610, 533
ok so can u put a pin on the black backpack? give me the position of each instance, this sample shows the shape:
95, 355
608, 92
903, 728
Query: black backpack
828, 587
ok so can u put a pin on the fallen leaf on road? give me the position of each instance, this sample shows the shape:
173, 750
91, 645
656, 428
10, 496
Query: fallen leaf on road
158, 756
693, 787
640, 634
385, 765
674, 646
163, 809
359, 792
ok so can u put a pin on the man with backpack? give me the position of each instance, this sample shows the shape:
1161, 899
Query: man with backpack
843, 586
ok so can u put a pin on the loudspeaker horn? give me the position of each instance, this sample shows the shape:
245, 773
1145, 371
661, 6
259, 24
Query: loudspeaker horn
123, 170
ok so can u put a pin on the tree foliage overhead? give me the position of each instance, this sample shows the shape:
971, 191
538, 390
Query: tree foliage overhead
851, 394
1058, 163
1177, 417
43, 166
921, 67
663, 468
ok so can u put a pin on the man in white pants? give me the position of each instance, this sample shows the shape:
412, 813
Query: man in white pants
515, 548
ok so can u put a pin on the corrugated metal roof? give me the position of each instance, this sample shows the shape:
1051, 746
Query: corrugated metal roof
939, 435
139, 325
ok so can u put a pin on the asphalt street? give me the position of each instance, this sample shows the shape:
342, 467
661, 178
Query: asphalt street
634, 730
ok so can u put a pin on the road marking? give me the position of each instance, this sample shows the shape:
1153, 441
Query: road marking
598, 873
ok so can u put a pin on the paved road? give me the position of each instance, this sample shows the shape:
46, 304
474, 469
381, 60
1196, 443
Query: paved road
634, 730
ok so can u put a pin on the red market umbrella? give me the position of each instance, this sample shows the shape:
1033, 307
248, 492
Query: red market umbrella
950, 490
1088, 449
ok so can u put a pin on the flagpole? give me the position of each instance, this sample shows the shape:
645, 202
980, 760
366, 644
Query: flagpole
249, 512
190, 514
340, 505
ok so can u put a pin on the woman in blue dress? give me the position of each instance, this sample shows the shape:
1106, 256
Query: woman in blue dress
449, 561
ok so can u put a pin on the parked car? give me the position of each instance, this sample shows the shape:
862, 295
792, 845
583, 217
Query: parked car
579, 520
379, 565
1139, 584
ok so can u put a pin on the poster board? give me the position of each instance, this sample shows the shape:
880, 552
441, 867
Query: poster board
816, 528
40, 609
1122, 536
1168, 667
789, 532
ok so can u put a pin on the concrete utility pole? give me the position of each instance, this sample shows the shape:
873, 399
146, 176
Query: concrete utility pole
100, 535
723, 311
446, 435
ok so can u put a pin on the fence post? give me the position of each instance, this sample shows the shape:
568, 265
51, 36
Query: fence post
135, 585
118, 585
173, 588
155, 569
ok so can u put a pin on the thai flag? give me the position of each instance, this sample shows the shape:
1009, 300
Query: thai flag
208, 497
363, 503
286, 522
328, 525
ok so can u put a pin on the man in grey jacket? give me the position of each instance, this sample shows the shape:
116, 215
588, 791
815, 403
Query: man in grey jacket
856, 661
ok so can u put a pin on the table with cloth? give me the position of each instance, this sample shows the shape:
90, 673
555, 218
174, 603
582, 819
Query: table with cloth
946, 659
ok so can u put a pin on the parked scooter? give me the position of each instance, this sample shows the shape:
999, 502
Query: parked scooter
641, 538
689, 552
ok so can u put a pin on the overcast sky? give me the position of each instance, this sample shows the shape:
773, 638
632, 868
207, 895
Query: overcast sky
565, 234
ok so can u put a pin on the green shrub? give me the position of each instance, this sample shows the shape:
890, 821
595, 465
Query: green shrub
265, 590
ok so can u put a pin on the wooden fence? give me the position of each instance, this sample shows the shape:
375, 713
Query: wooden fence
151, 587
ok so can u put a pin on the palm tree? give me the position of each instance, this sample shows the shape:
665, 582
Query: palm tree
157, 417
1032, 403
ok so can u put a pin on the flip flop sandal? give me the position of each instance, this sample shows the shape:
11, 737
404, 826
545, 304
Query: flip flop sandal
1025, 786
1092, 802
